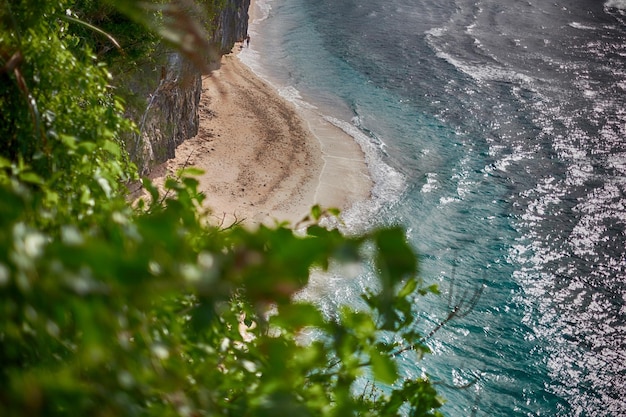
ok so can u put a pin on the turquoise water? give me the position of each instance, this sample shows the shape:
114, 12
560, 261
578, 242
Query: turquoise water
495, 132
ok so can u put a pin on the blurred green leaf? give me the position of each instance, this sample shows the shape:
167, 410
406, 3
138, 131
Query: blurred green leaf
316, 212
396, 258
30, 177
384, 368
190, 171
297, 316
408, 289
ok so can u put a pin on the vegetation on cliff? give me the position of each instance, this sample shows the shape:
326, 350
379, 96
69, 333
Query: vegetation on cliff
112, 310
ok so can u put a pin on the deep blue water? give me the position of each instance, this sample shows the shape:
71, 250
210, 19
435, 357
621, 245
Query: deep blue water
496, 133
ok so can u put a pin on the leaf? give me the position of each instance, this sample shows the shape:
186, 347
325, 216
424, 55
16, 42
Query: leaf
112, 147
395, 257
334, 211
316, 212
67, 140
172, 184
152, 190
87, 146
31, 177
408, 288
190, 172
434, 288
361, 323
384, 368
299, 315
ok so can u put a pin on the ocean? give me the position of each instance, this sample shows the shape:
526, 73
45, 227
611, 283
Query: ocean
496, 134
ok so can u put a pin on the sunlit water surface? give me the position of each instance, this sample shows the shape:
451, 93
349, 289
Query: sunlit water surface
495, 132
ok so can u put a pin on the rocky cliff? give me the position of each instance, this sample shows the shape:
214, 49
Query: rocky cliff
172, 89
231, 25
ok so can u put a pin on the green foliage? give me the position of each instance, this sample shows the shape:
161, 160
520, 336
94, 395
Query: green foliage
58, 116
112, 35
153, 313
179, 23
108, 309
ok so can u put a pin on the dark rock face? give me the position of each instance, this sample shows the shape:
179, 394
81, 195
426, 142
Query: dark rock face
231, 25
171, 113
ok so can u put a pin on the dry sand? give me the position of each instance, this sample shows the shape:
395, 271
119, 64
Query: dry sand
263, 158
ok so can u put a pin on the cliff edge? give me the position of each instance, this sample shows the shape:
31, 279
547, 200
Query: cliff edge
169, 88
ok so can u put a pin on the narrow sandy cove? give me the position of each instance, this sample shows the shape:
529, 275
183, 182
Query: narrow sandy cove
264, 159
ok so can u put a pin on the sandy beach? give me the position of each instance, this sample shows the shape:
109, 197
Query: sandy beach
263, 158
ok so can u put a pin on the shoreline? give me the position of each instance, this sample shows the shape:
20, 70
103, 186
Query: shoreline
264, 158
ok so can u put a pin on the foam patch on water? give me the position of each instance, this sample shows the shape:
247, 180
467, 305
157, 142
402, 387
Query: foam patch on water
263, 7
617, 4
487, 72
580, 26
431, 182
250, 57
436, 32
292, 94
389, 184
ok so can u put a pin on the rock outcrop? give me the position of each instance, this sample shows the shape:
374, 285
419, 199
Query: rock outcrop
172, 90
231, 25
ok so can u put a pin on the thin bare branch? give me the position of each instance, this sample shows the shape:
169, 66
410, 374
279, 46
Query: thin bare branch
459, 310
95, 29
